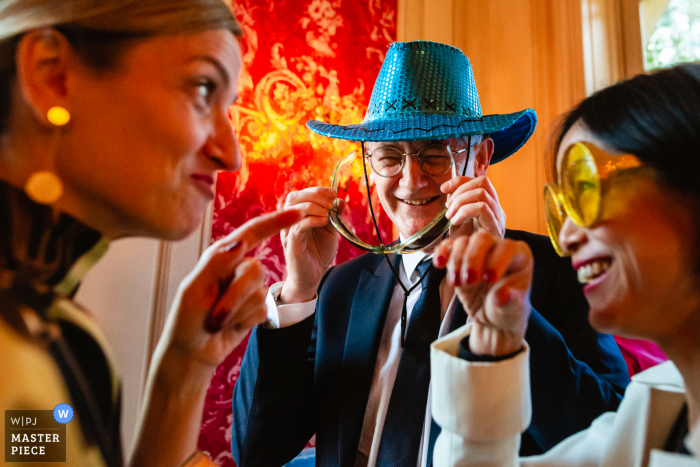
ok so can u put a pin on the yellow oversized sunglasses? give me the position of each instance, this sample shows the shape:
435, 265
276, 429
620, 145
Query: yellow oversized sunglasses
426, 236
578, 193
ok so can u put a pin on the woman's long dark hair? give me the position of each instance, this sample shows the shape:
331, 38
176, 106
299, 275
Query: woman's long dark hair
656, 117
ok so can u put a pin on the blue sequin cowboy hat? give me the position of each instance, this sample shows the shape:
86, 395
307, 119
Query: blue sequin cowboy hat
426, 90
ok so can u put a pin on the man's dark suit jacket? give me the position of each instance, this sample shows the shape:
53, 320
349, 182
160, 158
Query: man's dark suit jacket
315, 376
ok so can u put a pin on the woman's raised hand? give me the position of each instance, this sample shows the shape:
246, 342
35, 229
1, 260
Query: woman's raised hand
224, 296
492, 278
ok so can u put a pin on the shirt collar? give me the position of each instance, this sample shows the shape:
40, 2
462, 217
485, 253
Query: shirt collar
412, 260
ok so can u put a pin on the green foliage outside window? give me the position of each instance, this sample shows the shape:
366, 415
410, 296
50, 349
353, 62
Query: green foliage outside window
676, 38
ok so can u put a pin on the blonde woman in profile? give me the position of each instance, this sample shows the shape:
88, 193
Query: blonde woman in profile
113, 123
626, 207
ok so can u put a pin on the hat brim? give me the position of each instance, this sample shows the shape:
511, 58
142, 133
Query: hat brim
509, 131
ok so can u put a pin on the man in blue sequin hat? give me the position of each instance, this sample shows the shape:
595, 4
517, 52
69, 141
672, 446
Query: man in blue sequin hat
426, 91
345, 354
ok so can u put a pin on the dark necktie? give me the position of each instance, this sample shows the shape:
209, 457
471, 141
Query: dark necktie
403, 425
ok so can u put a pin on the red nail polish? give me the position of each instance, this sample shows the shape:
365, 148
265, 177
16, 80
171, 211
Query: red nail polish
452, 277
471, 276
489, 276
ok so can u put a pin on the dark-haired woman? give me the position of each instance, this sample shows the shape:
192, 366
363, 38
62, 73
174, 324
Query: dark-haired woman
626, 207
113, 123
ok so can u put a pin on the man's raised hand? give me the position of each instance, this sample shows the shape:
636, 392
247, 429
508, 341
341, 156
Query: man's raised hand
474, 198
310, 245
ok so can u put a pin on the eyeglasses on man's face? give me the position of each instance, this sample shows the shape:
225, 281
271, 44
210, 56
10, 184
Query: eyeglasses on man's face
433, 159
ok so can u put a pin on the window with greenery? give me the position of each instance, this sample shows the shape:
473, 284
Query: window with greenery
676, 37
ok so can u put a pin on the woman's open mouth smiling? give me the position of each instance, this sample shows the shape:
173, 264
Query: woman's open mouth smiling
592, 272
592, 269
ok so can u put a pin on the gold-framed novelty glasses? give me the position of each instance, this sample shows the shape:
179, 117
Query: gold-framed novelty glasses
387, 161
583, 175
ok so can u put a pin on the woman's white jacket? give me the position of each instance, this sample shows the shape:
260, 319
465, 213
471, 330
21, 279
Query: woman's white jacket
483, 407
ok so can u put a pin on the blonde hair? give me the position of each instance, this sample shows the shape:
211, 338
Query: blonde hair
143, 17
101, 29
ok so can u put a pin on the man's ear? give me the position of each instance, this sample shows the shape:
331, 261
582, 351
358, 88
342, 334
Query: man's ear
482, 158
43, 59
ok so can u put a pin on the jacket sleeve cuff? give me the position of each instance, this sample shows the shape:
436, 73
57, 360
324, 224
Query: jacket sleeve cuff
465, 353
476, 400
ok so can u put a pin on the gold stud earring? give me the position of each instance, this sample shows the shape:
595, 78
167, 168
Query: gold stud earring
58, 116
45, 187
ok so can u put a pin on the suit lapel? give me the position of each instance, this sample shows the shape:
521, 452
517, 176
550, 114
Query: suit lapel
367, 317
663, 410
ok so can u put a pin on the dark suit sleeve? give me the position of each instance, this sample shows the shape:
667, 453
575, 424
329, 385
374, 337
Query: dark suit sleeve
566, 309
576, 372
558, 297
273, 406
567, 395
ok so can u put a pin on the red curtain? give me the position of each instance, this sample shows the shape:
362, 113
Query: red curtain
302, 60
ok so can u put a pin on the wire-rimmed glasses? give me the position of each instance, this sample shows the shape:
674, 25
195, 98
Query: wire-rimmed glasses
433, 159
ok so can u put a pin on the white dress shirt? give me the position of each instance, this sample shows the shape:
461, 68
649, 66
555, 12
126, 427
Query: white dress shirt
388, 355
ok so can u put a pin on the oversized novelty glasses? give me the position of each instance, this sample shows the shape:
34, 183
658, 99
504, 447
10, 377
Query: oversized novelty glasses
434, 160
583, 175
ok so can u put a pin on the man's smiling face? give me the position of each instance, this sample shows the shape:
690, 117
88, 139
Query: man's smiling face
413, 198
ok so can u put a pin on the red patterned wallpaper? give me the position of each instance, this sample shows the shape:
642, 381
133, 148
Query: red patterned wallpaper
302, 60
